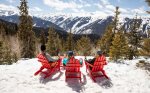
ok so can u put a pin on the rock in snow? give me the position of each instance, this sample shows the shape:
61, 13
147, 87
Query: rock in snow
125, 78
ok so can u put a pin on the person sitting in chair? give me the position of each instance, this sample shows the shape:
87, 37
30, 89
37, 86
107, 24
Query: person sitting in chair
72, 58
65, 59
52, 61
98, 54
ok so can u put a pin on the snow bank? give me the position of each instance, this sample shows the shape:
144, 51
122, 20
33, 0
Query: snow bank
125, 78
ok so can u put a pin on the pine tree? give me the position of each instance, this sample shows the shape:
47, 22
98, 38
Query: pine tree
106, 41
116, 20
148, 2
69, 43
6, 55
25, 34
2, 31
119, 48
84, 45
58, 44
42, 38
145, 51
51, 44
134, 38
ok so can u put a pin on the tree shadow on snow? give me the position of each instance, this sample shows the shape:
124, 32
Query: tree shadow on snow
76, 85
56, 76
104, 82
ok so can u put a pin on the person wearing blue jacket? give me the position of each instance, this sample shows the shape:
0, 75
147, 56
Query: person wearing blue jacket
65, 59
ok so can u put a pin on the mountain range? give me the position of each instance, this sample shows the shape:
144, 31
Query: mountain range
77, 24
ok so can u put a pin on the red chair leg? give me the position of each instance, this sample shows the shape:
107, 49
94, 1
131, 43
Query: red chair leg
104, 73
40, 70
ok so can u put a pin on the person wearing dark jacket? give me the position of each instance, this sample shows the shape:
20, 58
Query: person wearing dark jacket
91, 61
98, 54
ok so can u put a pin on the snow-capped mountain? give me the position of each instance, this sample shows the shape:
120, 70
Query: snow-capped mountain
81, 25
13, 17
7, 12
89, 24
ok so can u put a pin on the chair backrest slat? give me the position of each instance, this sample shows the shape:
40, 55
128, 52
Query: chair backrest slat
98, 64
73, 65
42, 59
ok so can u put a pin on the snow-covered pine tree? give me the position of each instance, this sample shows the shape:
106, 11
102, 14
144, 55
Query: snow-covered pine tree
134, 38
84, 46
119, 48
25, 34
145, 50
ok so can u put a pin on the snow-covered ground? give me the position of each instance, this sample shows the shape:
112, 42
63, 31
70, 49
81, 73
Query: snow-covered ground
125, 78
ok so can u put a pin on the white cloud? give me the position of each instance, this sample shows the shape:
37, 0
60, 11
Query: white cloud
122, 10
99, 6
101, 14
8, 7
138, 10
60, 5
11, 1
36, 9
110, 7
87, 5
104, 2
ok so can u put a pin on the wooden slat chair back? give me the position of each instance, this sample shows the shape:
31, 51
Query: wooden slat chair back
73, 69
98, 64
96, 68
46, 65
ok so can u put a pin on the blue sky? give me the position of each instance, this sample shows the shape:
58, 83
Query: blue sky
80, 7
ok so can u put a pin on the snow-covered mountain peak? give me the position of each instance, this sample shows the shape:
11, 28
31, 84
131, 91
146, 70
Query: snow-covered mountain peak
7, 12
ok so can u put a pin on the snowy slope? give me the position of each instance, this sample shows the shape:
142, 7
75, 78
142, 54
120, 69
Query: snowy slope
80, 24
91, 24
125, 78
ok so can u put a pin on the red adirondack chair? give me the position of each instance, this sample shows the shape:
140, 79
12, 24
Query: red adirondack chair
97, 69
46, 65
73, 69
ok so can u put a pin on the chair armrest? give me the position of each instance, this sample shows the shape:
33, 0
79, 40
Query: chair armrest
89, 64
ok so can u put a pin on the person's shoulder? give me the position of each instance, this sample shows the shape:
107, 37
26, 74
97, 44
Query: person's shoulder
47, 54
65, 58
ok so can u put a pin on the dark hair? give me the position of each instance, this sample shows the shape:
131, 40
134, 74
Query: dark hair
99, 53
70, 53
43, 47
